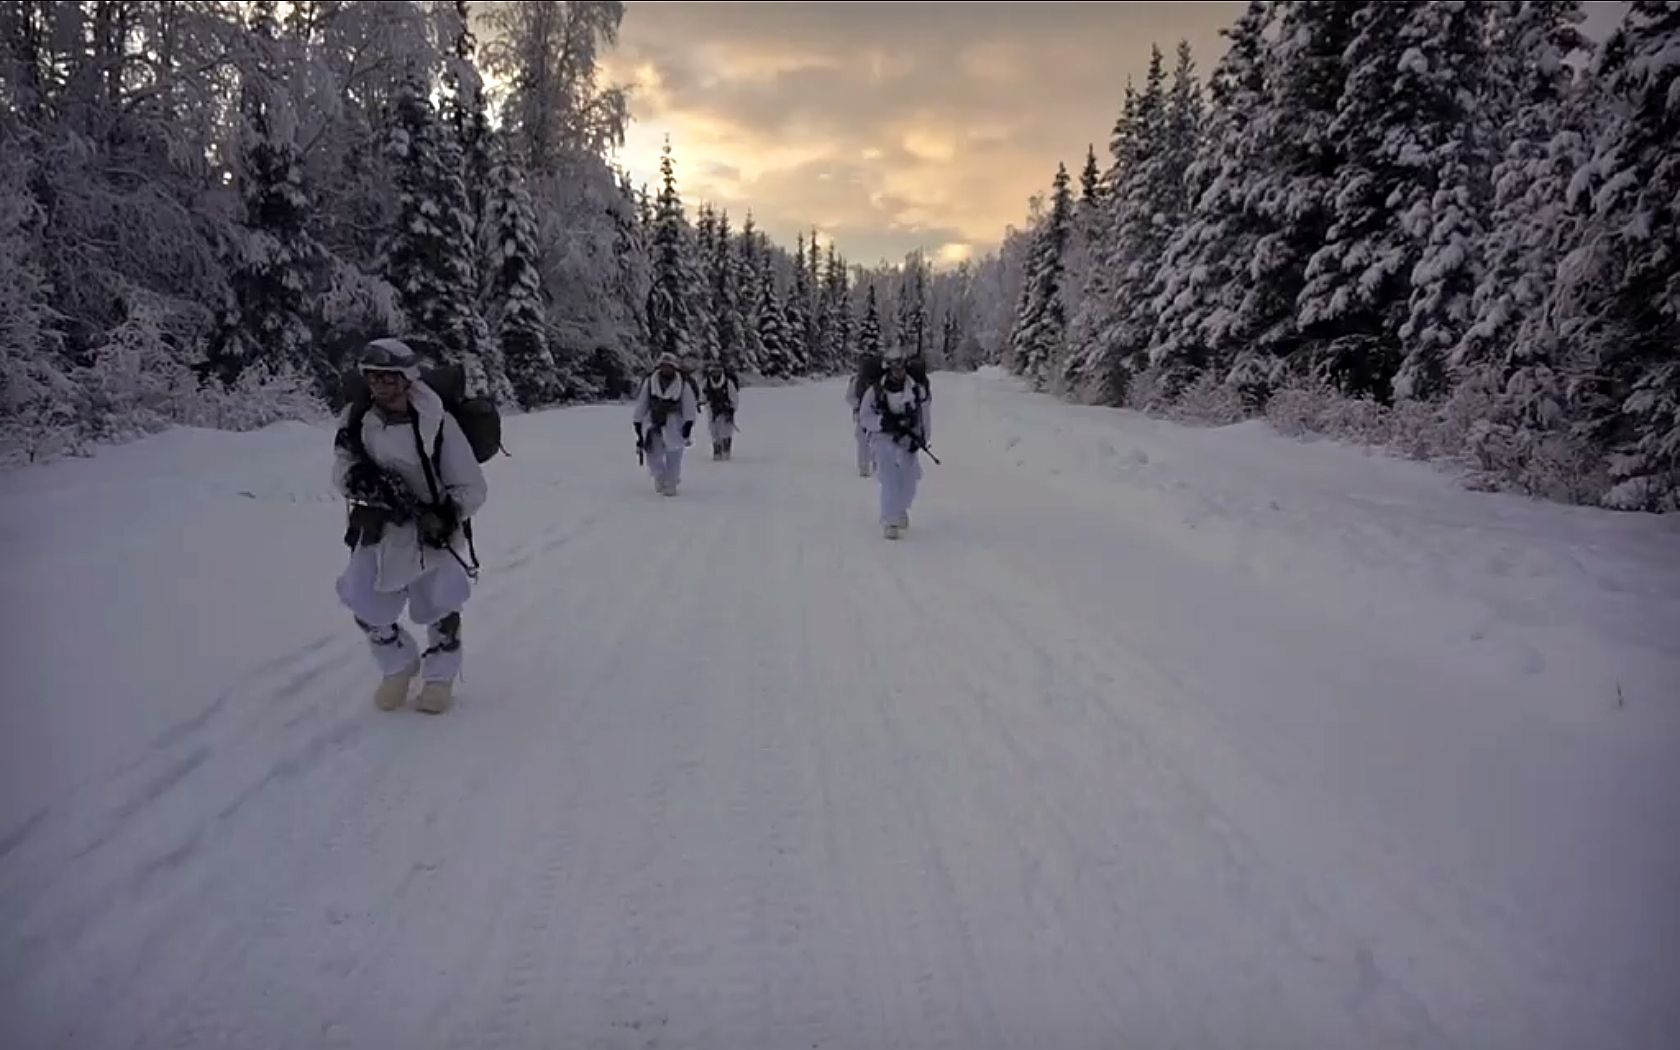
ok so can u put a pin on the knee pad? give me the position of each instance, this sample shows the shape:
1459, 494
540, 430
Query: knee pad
379, 635
449, 632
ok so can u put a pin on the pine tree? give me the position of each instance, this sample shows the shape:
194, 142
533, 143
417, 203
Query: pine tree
1449, 267
1180, 138
515, 302
1408, 185
1286, 190
797, 311
1629, 269
646, 215
774, 340
278, 265
913, 329
728, 296
429, 257
749, 265
869, 337
1090, 181
1116, 318
1178, 354
1512, 348
836, 325
670, 312
1041, 325
463, 110
609, 367
1198, 311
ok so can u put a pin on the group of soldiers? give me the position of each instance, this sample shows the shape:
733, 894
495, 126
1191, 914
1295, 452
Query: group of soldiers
407, 461
667, 407
890, 398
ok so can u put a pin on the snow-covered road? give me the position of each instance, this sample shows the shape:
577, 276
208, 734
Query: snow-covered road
1144, 737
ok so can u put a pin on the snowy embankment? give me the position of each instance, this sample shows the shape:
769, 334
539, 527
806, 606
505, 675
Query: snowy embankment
1145, 736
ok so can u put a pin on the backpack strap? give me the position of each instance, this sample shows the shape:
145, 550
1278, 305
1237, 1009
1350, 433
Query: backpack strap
437, 496
349, 437
425, 460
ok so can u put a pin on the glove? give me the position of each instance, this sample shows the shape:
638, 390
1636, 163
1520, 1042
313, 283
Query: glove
438, 522
688, 428
371, 485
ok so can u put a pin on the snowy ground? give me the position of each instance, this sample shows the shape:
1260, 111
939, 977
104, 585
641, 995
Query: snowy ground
1144, 737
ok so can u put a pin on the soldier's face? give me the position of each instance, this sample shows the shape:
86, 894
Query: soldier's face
389, 389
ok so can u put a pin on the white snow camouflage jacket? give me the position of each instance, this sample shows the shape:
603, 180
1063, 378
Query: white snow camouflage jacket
730, 395
913, 398
675, 390
402, 558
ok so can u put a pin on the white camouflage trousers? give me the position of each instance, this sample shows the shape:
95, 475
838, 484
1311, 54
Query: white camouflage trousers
898, 469
665, 464
722, 427
435, 600
865, 454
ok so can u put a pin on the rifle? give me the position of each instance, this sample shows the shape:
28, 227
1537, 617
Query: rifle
917, 442
921, 446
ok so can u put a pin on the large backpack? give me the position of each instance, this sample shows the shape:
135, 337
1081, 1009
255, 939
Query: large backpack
478, 417
916, 368
870, 370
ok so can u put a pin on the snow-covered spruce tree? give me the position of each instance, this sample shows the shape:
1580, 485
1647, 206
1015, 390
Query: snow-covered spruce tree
1511, 355
723, 273
610, 367
462, 106
1626, 276
911, 332
1453, 228
1117, 318
1196, 290
482, 350
797, 311
671, 319
774, 339
1090, 329
514, 304
1041, 327
869, 336
429, 256
1544, 144
950, 338
1414, 70
749, 262
1183, 182
837, 314
1288, 202
815, 338
276, 265
1090, 182
39, 404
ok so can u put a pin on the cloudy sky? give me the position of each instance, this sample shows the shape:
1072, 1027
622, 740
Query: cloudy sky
892, 126
887, 126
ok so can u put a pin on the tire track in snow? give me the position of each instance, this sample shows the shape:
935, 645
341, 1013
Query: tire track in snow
498, 1014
